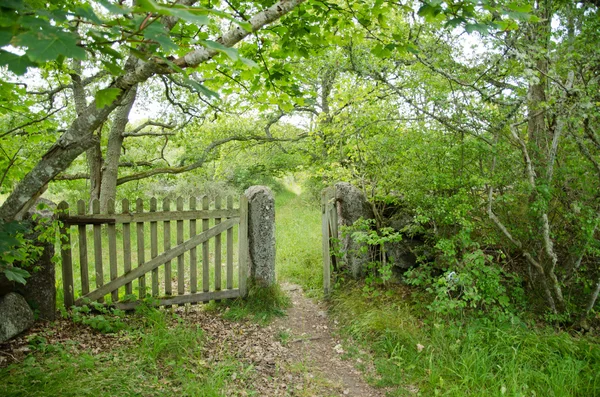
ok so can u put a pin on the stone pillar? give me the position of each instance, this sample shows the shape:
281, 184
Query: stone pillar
40, 289
261, 235
352, 205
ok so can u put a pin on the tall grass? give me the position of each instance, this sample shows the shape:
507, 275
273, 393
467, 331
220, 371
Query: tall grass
298, 236
469, 358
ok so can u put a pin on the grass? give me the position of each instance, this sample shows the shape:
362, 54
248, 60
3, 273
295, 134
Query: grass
469, 358
261, 305
298, 236
165, 358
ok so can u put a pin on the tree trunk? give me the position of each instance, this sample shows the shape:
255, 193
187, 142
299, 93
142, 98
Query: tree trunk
113, 152
94, 160
78, 138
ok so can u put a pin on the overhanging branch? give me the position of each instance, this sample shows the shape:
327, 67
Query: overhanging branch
204, 156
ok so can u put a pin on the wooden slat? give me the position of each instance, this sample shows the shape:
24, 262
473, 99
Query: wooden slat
334, 234
83, 255
205, 250
193, 255
112, 248
160, 259
141, 253
154, 247
126, 246
150, 217
180, 262
67, 261
325, 240
218, 251
333, 220
230, 248
243, 246
167, 247
182, 299
98, 248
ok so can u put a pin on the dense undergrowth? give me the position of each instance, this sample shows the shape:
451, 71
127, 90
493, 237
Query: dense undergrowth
418, 350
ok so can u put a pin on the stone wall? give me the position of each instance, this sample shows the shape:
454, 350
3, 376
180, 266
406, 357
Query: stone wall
352, 204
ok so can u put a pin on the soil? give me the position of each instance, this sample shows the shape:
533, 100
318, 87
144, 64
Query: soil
297, 355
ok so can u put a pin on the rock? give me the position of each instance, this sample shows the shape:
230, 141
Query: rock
261, 234
15, 316
352, 205
401, 253
40, 289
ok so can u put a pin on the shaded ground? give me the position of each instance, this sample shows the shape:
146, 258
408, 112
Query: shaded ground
297, 355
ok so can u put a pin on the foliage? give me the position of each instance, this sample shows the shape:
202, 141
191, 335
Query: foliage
97, 316
13, 249
371, 243
478, 286
19, 251
415, 350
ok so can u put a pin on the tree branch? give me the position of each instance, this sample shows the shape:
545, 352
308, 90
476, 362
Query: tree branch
79, 136
200, 162
46, 117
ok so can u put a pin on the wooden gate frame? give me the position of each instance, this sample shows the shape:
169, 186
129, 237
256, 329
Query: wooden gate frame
234, 217
329, 229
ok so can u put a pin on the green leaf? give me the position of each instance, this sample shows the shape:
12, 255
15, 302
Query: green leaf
17, 64
429, 12
112, 67
157, 32
231, 52
5, 36
106, 96
477, 27
514, 6
195, 15
454, 22
16, 274
48, 45
13, 4
113, 8
87, 12
201, 89
249, 62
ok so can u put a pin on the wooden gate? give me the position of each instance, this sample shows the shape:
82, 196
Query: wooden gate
106, 229
329, 221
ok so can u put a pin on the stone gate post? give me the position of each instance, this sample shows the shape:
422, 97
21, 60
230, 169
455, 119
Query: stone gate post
261, 235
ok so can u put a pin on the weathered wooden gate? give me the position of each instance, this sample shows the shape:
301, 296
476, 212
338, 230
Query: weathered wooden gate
123, 276
329, 221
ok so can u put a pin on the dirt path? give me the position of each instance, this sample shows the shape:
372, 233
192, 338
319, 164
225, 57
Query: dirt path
313, 344
297, 355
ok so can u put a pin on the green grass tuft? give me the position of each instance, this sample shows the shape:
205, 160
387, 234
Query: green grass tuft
261, 305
